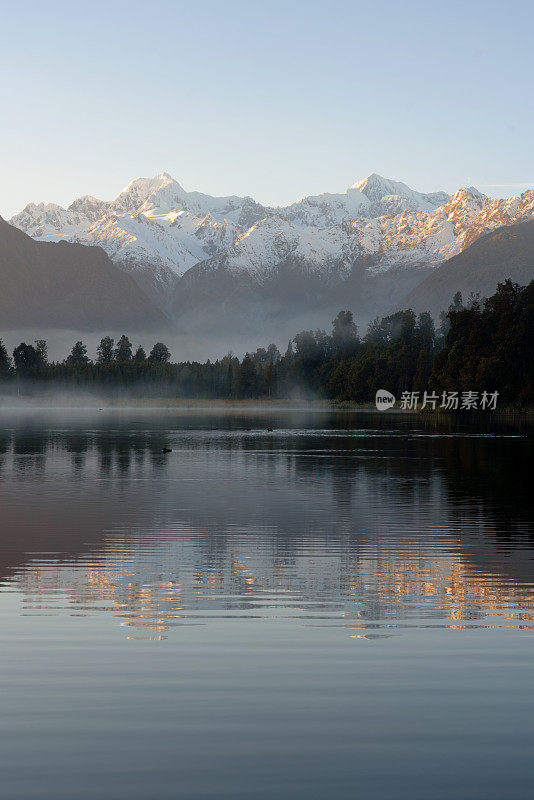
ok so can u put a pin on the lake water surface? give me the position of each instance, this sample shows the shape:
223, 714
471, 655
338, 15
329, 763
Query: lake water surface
342, 607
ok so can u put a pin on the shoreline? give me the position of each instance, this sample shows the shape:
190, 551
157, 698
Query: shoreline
260, 405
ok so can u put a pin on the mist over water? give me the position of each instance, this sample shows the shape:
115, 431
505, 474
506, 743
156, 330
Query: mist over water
321, 609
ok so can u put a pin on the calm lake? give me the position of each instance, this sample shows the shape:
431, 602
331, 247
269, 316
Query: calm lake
342, 607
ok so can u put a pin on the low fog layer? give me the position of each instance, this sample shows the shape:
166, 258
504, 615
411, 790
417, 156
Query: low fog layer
183, 346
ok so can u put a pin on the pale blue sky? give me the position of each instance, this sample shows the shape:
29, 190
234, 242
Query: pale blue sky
272, 99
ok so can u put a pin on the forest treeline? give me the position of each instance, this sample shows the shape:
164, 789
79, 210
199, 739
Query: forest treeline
482, 346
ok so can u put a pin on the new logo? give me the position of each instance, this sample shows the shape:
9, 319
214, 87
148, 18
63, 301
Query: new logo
384, 400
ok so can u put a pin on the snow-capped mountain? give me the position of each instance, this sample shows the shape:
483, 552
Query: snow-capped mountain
430, 237
162, 195
373, 197
155, 221
153, 228
407, 240
162, 235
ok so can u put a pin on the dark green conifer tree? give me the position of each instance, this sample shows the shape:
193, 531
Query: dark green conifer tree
123, 351
104, 351
245, 381
344, 335
78, 355
5, 362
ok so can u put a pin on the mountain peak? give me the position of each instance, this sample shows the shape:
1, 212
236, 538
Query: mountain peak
474, 192
466, 193
395, 196
373, 179
375, 187
138, 191
40, 207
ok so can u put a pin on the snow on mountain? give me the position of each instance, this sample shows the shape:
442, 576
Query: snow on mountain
162, 195
153, 224
419, 237
275, 241
324, 210
176, 240
380, 190
157, 231
430, 237
88, 207
407, 240
373, 197
41, 220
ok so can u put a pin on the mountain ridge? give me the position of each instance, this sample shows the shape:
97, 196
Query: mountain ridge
379, 232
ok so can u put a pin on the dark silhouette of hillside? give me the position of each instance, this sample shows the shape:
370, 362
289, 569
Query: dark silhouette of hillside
63, 285
507, 252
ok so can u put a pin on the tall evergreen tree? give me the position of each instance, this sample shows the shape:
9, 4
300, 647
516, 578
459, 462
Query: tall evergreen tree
270, 379
457, 302
123, 351
140, 355
228, 364
104, 351
245, 382
444, 320
5, 361
426, 335
273, 353
78, 355
344, 335
375, 332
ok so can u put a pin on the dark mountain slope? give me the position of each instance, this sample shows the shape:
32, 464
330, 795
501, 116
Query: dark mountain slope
63, 285
507, 252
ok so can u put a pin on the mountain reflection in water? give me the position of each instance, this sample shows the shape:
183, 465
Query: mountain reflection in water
370, 524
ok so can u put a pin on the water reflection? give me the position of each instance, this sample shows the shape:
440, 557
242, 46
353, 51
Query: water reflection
366, 528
